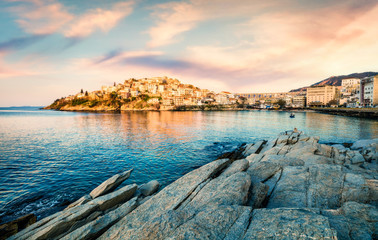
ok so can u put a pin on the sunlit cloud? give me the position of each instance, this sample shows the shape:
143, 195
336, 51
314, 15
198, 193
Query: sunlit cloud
48, 17
98, 19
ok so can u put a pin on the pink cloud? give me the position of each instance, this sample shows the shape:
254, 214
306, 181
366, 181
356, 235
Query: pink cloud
101, 19
48, 17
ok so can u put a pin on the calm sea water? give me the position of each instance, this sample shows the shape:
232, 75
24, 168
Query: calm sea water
48, 158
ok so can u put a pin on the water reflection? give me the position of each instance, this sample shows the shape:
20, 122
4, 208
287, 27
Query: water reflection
49, 158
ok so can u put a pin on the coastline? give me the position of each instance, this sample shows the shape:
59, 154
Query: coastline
292, 183
360, 113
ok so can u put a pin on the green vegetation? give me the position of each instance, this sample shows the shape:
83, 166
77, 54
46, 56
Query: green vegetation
281, 103
78, 101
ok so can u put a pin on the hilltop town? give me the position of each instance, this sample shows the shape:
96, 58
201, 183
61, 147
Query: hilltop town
164, 93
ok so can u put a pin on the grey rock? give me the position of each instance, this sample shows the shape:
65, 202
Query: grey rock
340, 147
363, 143
288, 223
95, 228
258, 194
211, 223
112, 199
283, 160
110, 184
240, 226
170, 198
262, 171
251, 149
357, 158
291, 189
237, 166
149, 188
232, 190
80, 201
325, 186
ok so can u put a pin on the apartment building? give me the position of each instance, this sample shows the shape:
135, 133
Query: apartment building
321, 95
369, 91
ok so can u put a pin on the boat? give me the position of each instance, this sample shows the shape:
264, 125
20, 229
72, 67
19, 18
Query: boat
292, 115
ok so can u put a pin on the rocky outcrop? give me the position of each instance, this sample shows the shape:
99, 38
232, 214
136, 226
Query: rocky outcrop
290, 187
92, 214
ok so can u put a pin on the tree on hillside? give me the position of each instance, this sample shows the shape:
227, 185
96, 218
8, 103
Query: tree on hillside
281, 103
86, 93
81, 91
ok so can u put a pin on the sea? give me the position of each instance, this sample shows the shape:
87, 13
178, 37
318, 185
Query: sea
49, 159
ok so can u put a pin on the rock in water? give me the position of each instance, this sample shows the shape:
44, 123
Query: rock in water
149, 188
110, 184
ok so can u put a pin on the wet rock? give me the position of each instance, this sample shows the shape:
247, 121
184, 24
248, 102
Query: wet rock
149, 188
289, 223
110, 184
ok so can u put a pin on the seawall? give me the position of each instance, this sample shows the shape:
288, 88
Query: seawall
289, 187
362, 113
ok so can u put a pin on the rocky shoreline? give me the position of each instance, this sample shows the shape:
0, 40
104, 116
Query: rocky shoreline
290, 187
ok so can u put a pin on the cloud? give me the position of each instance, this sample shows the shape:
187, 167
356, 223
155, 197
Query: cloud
18, 43
41, 17
48, 17
98, 19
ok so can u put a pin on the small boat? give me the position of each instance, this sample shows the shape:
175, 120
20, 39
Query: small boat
292, 115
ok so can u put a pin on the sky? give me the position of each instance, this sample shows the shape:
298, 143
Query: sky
54, 48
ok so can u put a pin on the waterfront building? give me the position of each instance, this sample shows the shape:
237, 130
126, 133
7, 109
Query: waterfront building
299, 101
321, 95
369, 91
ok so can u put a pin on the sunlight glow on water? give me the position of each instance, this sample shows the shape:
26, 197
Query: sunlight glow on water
48, 158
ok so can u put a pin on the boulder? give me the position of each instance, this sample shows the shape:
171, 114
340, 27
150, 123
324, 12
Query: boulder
340, 147
110, 184
149, 188
262, 171
289, 223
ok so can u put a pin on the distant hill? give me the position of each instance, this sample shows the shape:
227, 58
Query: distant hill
336, 80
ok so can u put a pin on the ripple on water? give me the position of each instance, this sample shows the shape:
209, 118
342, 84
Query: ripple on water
48, 159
